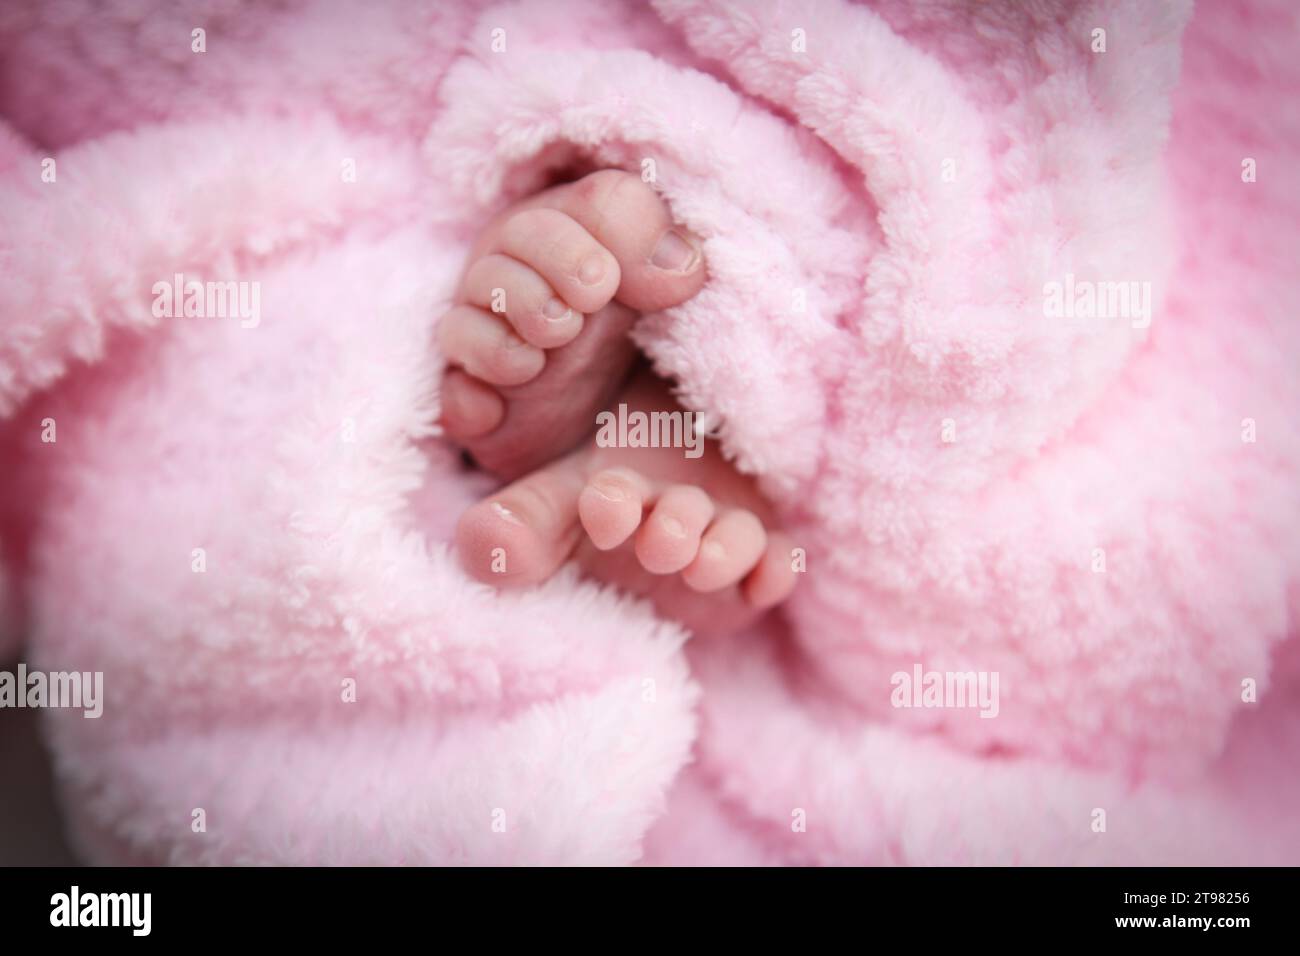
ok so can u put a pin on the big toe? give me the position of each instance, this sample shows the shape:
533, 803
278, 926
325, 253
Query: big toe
523, 533
661, 263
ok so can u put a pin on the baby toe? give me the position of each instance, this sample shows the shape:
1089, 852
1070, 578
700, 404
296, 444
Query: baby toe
506, 286
485, 347
524, 532
729, 550
610, 506
470, 409
661, 264
669, 539
773, 578
581, 271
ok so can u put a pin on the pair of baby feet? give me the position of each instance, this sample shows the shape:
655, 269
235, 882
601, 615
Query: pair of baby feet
538, 346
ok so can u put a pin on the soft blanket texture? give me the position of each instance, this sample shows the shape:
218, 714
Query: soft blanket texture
244, 526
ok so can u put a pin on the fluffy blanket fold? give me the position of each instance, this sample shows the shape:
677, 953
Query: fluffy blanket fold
243, 524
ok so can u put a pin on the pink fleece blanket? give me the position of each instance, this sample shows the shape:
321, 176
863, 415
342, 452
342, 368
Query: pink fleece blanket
918, 224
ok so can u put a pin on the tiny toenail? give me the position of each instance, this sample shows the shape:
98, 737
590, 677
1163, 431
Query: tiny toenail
592, 270
555, 310
514, 342
711, 549
674, 253
673, 527
504, 512
610, 491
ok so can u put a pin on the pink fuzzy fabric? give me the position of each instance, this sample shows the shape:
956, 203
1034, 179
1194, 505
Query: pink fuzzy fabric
881, 212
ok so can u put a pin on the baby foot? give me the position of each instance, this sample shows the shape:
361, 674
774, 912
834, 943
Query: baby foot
691, 534
538, 341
